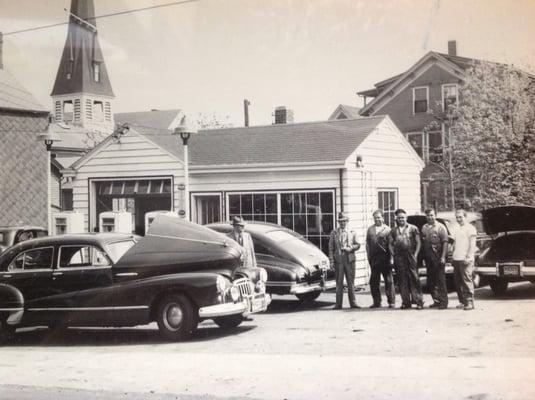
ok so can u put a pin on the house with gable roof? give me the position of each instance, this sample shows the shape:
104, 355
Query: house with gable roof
298, 175
417, 100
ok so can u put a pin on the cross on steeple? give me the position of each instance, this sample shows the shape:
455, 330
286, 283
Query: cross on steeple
82, 92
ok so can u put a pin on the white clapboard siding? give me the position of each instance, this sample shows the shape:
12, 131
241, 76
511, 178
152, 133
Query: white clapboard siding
132, 157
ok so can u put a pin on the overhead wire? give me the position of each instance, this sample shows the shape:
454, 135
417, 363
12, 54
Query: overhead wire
174, 3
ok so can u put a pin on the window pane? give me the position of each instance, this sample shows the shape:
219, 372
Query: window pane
258, 202
287, 221
166, 186
247, 203
420, 106
129, 187
271, 218
314, 224
299, 203
313, 199
327, 202
327, 223
286, 203
300, 224
117, 187
420, 94
416, 141
234, 204
156, 186
247, 217
271, 203
259, 217
143, 187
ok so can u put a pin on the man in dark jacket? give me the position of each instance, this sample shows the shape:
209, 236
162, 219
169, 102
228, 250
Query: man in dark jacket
379, 259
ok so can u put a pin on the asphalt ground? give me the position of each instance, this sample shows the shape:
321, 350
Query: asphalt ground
293, 351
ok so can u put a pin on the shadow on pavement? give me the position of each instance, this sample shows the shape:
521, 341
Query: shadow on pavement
516, 291
144, 335
279, 306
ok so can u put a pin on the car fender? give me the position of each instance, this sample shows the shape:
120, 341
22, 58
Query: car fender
200, 287
11, 304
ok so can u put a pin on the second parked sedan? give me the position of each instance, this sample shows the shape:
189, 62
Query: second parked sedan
293, 264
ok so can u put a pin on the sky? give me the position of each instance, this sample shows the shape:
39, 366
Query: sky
309, 55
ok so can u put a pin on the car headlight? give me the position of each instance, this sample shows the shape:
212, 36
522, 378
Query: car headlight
221, 283
263, 275
234, 293
260, 287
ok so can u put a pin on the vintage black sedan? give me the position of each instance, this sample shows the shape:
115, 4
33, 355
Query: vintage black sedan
293, 264
10, 235
180, 273
510, 257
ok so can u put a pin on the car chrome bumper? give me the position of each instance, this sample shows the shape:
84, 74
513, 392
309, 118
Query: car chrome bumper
506, 270
221, 310
300, 288
250, 305
448, 269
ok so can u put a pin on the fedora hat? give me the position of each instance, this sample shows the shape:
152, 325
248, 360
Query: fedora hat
237, 221
342, 217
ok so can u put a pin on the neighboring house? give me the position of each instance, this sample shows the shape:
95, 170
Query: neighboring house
345, 112
297, 175
417, 101
23, 160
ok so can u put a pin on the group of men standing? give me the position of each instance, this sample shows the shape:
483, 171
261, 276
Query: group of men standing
398, 248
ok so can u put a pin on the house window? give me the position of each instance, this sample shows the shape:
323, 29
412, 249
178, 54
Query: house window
416, 139
96, 71
68, 111
387, 201
449, 95
309, 213
420, 96
434, 147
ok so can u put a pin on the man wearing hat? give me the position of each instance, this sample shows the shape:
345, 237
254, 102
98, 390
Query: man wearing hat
245, 240
342, 247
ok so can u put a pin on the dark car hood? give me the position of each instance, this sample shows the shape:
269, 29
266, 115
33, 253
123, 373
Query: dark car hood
508, 219
180, 246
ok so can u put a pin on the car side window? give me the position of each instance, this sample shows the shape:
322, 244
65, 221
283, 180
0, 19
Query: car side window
33, 259
259, 248
81, 256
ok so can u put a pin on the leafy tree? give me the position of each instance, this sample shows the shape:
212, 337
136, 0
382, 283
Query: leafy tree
493, 135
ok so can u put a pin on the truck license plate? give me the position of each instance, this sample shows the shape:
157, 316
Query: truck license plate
510, 270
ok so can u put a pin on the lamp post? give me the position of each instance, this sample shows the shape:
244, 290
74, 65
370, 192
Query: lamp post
185, 132
48, 137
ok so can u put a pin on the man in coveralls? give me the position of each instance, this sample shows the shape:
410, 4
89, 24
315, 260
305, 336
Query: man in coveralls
435, 242
342, 246
379, 259
404, 244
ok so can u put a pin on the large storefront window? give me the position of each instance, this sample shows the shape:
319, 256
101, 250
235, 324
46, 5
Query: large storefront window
309, 213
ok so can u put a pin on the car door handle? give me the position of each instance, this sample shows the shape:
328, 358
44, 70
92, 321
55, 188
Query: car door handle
127, 274
7, 276
57, 273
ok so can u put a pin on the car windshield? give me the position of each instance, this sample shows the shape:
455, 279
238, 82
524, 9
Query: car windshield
117, 249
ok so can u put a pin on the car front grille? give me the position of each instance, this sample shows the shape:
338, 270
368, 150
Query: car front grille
245, 287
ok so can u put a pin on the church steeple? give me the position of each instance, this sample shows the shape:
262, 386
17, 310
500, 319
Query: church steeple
82, 91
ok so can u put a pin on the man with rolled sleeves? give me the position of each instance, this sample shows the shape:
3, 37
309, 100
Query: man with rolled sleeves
404, 245
435, 243
343, 244
379, 259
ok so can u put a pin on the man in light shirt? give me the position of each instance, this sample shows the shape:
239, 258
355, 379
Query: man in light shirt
245, 240
464, 249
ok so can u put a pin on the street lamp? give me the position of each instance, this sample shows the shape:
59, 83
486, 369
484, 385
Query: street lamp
185, 131
48, 137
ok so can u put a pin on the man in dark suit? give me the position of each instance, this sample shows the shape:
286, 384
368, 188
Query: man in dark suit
343, 244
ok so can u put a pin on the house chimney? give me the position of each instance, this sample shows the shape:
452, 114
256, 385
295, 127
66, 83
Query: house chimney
452, 47
1, 49
246, 104
283, 115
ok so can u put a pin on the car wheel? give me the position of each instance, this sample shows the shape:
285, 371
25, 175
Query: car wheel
499, 287
176, 317
7, 332
231, 321
308, 297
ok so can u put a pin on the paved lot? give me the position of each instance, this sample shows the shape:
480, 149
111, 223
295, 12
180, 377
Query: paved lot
294, 351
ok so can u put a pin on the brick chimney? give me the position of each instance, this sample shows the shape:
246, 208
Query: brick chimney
283, 115
452, 47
